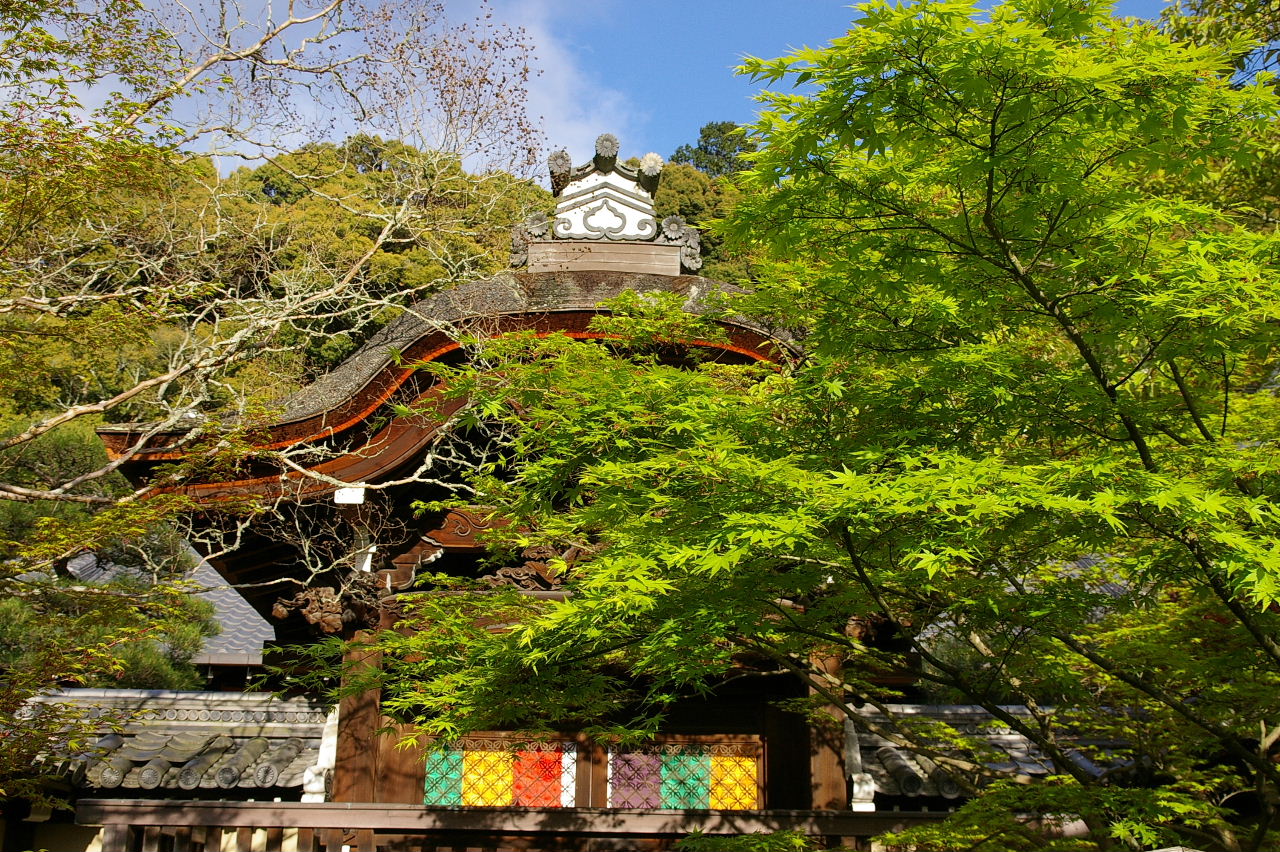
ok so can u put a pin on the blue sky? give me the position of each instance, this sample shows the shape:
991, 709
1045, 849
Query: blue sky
654, 71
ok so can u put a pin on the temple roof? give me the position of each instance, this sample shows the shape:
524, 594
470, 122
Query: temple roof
477, 307
354, 414
163, 742
874, 750
243, 631
486, 298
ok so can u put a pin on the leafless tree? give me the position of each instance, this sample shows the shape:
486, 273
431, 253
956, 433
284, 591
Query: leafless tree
140, 280
95, 255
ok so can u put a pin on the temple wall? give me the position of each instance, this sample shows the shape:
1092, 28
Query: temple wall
66, 837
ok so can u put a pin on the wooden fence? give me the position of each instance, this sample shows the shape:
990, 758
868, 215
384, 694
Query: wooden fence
131, 825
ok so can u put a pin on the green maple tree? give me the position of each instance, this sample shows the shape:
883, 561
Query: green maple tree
1017, 340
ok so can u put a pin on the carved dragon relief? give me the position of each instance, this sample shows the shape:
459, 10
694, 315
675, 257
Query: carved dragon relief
364, 601
356, 605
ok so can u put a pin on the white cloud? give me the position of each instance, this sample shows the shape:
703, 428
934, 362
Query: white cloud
570, 101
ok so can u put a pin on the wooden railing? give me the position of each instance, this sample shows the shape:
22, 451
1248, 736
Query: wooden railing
131, 825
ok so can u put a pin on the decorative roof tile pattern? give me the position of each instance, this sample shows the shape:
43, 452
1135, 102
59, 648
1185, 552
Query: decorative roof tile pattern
173, 742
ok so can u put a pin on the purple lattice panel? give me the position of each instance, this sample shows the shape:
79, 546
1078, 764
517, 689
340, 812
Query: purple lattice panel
635, 780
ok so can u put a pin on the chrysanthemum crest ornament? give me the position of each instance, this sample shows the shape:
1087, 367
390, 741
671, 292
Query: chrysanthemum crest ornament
604, 219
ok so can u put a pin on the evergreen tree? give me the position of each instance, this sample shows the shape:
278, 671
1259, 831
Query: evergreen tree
140, 282
719, 151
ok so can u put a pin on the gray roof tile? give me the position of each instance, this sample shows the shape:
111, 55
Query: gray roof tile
243, 630
174, 741
1008, 751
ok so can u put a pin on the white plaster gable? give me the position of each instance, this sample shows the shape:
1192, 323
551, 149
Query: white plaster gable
605, 220
605, 205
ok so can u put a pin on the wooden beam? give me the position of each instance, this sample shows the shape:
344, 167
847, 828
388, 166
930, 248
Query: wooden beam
398, 818
401, 771
116, 838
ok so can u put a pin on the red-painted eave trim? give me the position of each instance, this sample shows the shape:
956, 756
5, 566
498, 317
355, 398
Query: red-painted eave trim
329, 431
398, 376
391, 447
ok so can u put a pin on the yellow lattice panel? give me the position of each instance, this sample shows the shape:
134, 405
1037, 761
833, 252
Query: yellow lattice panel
733, 782
486, 778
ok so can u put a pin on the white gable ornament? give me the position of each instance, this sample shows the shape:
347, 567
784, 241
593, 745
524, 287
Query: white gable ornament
605, 220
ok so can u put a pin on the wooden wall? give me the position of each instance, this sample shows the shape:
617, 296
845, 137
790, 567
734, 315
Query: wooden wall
798, 768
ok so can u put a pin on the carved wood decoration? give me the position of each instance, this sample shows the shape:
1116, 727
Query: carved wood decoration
536, 573
461, 528
356, 605
461, 531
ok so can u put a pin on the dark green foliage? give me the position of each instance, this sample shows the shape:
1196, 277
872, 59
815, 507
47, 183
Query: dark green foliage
456, 226
719, 151
696, 185
64, 615
139, 283
703, 201
57, 633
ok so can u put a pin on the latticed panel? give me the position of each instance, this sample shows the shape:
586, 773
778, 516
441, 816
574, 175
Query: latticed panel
734, 785
495, 773
687, 777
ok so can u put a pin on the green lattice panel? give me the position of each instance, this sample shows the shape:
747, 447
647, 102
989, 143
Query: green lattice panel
686, 780
444, 778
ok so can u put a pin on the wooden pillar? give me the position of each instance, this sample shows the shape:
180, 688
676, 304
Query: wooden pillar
592, 778
401, 771
115, 838
359, 717
826, 752
331, 839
